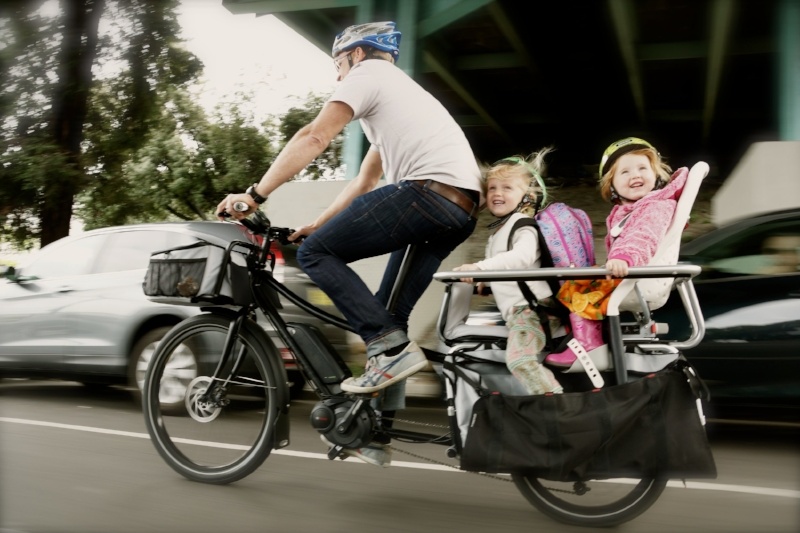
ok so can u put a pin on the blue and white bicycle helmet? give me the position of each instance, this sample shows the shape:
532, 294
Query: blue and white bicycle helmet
379, 35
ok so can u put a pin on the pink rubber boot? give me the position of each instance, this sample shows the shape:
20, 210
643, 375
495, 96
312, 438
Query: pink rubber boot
588, 332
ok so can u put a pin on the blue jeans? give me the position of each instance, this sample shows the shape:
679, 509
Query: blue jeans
385, 220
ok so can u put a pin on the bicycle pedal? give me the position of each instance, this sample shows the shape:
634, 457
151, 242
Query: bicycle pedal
336, 452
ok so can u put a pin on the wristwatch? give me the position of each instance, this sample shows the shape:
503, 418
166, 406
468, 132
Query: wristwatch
257, 198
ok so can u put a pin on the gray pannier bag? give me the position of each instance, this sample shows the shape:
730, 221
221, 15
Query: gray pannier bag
197, 274
472, 380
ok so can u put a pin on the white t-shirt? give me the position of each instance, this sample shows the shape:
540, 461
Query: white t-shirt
415, 135
524, 255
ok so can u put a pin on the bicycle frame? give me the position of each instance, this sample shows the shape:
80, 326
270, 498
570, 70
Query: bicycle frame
308, 364
347, 421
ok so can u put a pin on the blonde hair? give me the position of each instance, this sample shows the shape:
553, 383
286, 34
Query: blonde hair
374, 53
661, 169
528, 170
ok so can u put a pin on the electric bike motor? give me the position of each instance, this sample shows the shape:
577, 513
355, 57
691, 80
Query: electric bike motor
344, 422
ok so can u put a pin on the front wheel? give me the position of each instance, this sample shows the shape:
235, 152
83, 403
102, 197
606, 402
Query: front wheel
220, 430
592, 503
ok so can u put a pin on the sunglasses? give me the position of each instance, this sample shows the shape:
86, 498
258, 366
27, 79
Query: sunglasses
338, 61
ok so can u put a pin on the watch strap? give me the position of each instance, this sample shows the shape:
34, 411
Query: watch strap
257, 198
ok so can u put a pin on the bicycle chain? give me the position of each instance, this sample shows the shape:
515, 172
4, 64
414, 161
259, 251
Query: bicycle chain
417, 423
442, 463
436, 461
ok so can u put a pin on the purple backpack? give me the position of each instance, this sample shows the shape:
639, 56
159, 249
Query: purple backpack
565, 237
565, 240
568, 234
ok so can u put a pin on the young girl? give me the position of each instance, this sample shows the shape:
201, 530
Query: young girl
634, 177
512, 193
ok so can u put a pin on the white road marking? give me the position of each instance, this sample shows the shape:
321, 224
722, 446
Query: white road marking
695, 485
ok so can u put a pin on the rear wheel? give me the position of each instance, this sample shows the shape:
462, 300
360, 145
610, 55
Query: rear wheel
591, 503
220, 430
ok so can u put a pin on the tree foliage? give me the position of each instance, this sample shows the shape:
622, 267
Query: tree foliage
326, 166
97, 117
49, 70
182, 171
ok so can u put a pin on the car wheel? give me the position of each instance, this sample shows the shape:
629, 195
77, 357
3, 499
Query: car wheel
183, 365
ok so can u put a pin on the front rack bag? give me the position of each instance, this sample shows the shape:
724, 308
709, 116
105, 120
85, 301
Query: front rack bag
200, 273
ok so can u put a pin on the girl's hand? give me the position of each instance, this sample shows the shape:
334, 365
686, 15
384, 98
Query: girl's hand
468, 266
617, 267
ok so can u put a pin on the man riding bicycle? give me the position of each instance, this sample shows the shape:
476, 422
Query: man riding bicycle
430, 200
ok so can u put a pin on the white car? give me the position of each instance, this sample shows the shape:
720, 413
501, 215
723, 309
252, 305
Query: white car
76, 310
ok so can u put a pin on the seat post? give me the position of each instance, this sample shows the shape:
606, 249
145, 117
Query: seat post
617, 349
401, 277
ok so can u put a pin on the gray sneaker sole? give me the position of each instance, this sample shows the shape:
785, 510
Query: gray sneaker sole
348, 386
350, 452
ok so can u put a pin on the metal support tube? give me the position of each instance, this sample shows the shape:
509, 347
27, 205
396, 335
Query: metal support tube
617, 349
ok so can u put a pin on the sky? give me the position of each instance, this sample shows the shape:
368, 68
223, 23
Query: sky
253, 54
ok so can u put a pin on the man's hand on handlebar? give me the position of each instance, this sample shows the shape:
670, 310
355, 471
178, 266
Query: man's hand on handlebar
301, 233
231, 206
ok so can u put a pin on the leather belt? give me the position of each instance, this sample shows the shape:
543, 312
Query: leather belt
448, 192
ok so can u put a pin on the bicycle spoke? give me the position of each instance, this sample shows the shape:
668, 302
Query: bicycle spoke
210, 429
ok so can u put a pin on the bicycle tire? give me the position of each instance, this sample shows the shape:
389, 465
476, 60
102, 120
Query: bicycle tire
227, 438
620, 501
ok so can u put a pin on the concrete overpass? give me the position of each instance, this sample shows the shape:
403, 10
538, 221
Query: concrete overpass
702, 79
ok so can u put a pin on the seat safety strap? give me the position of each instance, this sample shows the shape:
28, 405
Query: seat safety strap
588, 364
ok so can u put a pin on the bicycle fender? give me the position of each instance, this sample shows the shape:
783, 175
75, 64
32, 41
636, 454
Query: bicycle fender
273, 358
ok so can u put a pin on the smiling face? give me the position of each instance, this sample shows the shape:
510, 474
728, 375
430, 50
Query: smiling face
503, 195
633, 177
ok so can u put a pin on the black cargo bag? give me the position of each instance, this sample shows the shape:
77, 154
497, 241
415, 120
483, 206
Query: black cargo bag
197, 274
645, 428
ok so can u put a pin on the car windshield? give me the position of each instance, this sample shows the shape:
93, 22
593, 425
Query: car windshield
70, 257
130, 250
104, 252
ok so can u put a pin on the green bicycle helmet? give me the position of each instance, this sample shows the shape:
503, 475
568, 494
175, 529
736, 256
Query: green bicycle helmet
619, 148
541, 199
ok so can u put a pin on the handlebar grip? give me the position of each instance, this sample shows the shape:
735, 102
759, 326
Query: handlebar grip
239, 207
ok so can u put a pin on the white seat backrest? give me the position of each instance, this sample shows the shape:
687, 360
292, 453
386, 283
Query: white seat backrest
455, 324
656, 291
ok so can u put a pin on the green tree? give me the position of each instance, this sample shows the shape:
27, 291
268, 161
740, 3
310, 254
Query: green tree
49, 96
186, 166
103, 123
327, 164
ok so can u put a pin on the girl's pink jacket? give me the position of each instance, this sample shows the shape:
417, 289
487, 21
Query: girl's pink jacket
647, 224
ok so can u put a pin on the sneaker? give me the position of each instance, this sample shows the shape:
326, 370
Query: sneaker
373, 453
383, 371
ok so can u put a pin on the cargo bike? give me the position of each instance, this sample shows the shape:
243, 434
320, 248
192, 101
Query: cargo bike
216, 398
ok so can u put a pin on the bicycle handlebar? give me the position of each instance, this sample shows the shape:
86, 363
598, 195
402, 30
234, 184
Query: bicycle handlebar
259, 224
